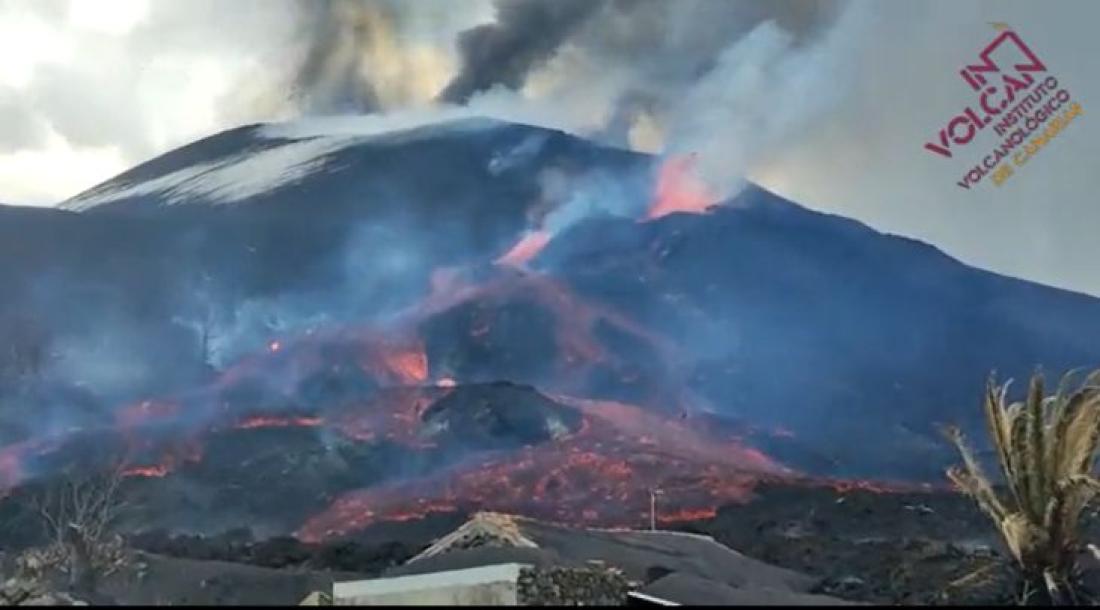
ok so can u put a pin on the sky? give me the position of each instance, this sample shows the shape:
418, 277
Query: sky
830, 108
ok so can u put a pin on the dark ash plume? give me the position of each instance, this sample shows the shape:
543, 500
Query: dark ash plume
525, 34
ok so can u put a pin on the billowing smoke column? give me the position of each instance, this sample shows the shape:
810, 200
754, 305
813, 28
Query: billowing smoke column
331, 76
369, 56
729, 83
722, 86
713, 87
525, 33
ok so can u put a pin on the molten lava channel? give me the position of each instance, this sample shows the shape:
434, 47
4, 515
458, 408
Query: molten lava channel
602, 474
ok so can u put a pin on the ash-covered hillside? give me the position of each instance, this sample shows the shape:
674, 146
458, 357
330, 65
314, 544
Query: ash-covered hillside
314, 296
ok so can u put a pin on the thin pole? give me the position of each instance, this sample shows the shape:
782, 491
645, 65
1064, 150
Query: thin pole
652, 511
653, 493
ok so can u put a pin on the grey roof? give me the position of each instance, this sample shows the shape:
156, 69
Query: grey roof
468, 558
505, 538
689, 590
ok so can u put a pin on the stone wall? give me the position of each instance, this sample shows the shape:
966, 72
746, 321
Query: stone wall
595, 586
492, 585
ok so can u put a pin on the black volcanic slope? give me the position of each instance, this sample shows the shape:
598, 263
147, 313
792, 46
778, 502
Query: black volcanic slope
855, 341
821, 324
360, 234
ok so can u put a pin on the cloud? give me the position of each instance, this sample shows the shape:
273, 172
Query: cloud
95, 83
37, 176
21, 127
92, 119
134, 78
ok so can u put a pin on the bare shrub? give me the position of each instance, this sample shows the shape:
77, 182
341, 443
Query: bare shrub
78, 512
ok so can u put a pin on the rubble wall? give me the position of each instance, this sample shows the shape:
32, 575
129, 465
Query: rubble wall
572, 587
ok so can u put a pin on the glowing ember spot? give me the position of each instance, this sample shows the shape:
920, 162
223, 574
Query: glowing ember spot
687, 515
409, 365
445, 382
525, 249
11, 466
155, 471
279, 422
679, 188
878, 487
274, 346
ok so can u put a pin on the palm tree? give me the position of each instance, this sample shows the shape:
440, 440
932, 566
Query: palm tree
1046, 447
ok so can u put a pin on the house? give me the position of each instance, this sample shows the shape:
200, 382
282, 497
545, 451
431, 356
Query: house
496, 559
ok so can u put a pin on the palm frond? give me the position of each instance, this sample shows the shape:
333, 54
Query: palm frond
1046, 447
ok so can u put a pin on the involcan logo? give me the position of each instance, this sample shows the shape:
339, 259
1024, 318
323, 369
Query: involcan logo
1018, 100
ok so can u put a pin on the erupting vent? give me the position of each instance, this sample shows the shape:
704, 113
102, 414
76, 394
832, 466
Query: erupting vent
607, 372
679, 188
360, 427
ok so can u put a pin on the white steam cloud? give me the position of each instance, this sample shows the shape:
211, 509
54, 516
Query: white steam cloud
763, 91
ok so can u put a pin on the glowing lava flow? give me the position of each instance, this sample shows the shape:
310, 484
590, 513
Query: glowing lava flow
406, 364
157, 470
576, 322
600, 475
273, 421
598, 470
679, 188
525, 249
174, 455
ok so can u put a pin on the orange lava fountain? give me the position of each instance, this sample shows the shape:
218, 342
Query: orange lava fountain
679, 188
